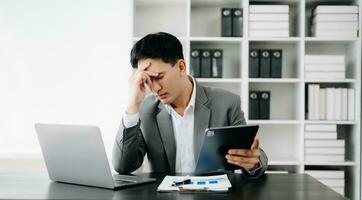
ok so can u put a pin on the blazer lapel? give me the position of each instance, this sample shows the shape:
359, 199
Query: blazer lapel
201, 119
164, 122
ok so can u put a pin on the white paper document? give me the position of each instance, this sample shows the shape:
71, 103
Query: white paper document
219, 183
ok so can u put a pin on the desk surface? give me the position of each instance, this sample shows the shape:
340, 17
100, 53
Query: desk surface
272, 186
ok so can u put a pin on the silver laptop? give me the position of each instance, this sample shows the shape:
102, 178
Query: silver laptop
75, 154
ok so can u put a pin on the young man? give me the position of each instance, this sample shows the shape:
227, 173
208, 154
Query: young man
169, 125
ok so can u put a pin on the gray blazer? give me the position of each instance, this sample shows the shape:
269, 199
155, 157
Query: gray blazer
154, 133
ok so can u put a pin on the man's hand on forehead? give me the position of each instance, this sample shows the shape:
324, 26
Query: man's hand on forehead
144, 64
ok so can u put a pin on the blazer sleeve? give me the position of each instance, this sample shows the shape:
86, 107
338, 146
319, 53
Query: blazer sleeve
236, 115
129, 149
237, 118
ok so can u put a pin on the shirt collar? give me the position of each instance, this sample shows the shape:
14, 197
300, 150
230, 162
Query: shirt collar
192, 101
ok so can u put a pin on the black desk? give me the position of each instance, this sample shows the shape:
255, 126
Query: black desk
276, 186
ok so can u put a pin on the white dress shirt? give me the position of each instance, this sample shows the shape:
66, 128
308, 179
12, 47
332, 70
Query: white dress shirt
183, 127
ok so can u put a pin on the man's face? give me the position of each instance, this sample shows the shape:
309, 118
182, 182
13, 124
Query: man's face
167, 86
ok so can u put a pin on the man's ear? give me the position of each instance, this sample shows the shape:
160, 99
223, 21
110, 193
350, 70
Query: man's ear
181, 64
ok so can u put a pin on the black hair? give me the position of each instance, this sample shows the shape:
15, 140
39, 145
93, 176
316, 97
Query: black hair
159, 45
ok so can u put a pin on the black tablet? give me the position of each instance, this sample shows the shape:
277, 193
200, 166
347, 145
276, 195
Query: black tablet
217, 142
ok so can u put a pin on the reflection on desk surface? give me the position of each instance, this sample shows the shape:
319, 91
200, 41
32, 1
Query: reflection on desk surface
272, 186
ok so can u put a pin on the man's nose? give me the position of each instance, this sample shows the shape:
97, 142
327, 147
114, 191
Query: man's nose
156, 86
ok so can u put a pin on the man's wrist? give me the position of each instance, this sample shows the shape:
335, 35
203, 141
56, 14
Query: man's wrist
255, 170
130, 120
132, 109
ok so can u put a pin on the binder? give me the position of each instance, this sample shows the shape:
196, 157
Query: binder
226, 22
216, 63
237, 21
265, 63
253, 105
206, 64
264, 105
276, 63
195, 68
254, 63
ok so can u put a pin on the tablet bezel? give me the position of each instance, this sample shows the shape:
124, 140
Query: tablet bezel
210, 158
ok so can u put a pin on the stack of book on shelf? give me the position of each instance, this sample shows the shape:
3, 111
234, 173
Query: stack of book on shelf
322, 145
331, 103
324, 66
269, 21
335, 21
331, 178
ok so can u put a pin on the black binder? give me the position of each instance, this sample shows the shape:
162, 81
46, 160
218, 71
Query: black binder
216, 63
206, 64
195, 68
264, 105
226, 22
276, 63
254, 63
237, 21
265, 63
253, 105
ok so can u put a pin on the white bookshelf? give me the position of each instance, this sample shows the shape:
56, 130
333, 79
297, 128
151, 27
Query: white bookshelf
197, 24
260, 122
274, 80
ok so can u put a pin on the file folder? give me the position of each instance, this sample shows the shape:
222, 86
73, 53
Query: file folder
206, 64
254, 63
216, 66
195, 68
264, 105
226, 22
237, 21
253, 105
276, 63
265, 63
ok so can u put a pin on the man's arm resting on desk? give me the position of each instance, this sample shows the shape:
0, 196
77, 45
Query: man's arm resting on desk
129, 148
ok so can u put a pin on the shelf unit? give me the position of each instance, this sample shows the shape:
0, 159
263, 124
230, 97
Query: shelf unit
282, 137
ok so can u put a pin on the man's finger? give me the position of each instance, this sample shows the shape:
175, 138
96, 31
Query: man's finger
238, 151
241, 152
235, 158
143, 64
255, 144
242, 159
148, 82
244, 152
152, 74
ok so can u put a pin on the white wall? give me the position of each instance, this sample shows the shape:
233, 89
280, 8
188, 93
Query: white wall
62, 62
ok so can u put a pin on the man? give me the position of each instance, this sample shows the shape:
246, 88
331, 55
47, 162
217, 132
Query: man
169, 125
